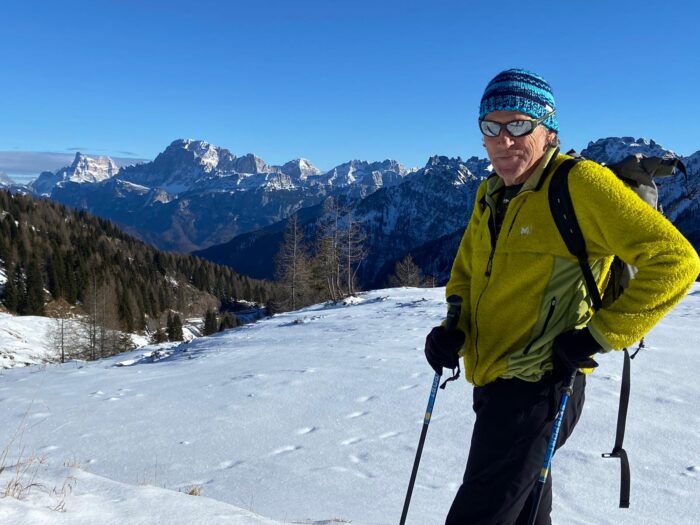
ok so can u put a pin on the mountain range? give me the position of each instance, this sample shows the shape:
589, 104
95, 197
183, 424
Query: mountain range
194, 195
232, 210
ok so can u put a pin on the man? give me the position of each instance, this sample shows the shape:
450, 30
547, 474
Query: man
526, 314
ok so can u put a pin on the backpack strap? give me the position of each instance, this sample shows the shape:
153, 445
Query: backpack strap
618, 451
562, 210
565, 218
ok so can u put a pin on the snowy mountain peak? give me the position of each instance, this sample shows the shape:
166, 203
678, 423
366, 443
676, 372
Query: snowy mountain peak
197, 152
300, 169
84, 169
5, 181
614, 149
91, 169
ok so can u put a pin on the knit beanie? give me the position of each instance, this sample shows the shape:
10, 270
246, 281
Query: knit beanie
519, 90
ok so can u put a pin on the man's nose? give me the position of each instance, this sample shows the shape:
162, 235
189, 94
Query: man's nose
504, 138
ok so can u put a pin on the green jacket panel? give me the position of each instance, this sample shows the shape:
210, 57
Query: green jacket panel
523, 287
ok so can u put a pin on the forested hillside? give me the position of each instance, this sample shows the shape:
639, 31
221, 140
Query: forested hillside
53, 258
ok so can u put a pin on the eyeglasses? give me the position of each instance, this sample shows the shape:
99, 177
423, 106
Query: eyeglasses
515, 128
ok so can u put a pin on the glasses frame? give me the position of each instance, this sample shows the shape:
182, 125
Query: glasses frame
504, 125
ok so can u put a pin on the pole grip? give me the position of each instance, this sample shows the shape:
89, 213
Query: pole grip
454, 308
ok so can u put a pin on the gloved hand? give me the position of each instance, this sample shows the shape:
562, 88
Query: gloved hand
442, 347
573, 350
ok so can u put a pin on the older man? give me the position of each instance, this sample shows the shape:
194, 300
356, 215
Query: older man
526, 314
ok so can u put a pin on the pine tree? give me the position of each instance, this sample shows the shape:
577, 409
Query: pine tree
11, 295
174, 328
228, 321
35, 289
211, 324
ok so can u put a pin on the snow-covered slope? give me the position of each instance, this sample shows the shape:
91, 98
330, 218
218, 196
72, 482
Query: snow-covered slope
315, 415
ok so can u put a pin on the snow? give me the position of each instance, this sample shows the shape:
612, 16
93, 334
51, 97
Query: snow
24, 340
314, 417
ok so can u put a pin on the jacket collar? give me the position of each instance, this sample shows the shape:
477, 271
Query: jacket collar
494, 183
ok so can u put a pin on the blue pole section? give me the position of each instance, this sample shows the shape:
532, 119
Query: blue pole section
454, 307
551, 446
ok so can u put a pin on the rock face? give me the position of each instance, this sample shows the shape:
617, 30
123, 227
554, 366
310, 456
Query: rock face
194, 194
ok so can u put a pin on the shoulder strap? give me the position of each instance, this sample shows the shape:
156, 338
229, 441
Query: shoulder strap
565, 218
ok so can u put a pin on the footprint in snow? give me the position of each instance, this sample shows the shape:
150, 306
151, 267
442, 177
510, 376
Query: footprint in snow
692, 471
305, 430
283, 450
407, 387
226, 465
387, 435
364, 399
351, 441
356, 414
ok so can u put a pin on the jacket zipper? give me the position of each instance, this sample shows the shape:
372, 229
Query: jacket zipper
552, 306
494, 238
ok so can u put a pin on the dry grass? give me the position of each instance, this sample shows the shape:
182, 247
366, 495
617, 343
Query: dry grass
25, 467
23, 478
73, 462
193, 490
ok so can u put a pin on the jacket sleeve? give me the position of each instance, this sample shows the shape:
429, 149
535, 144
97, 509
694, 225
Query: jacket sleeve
614, 221
461, 274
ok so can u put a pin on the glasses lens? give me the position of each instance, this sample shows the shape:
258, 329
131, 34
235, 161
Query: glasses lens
518, 128
490, 128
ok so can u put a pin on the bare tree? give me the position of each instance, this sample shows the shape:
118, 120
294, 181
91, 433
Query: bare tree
407, 273
101, 333
293, 268
64, 336
352, 250
327, 259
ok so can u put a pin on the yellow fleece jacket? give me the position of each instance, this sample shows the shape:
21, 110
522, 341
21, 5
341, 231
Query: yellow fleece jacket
522, 288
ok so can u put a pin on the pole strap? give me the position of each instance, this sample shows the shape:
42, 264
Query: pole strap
455, 376
618, 451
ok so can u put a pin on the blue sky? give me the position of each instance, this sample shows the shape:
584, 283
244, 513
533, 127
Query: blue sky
332, 81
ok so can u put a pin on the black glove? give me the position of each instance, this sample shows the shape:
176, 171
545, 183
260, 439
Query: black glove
442, 347
573, 350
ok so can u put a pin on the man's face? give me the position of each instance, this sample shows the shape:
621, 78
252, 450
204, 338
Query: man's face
515, 158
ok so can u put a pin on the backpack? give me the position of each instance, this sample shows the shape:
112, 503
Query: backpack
637, 172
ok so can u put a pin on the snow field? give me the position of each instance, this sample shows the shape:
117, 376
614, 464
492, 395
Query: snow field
315, 415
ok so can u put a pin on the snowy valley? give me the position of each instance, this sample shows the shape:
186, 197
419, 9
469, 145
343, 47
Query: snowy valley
313, 417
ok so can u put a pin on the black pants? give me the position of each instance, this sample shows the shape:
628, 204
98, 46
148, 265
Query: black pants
514, 419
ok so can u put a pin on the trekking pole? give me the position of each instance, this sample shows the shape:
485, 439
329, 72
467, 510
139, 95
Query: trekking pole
454, 307
567, 390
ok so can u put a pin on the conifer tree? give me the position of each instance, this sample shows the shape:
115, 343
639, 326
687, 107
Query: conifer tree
228, 321
35, 290
11, 295
211, 324
174, 328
